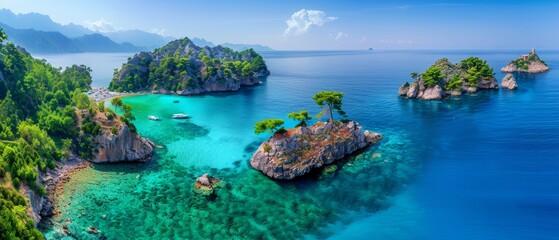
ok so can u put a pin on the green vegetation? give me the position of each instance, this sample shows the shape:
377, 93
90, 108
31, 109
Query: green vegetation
432, 76
455, 84
270, 125
331, 99
181, 69
2, 35
452, 77
14, 222
301, 116
476, 70
39, 105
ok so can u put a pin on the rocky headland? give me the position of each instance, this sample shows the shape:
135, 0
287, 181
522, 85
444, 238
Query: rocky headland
297, 151
527, 63
444, 78
181, 67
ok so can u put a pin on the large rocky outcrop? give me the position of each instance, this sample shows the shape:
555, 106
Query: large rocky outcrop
181, 67
121, 147
509, 82
297, 151
527, 63
469, 75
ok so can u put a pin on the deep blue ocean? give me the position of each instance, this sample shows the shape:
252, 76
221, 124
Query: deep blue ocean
479, 166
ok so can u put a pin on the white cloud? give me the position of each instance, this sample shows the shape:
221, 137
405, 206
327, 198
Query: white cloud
163, 32
364, 39
101, 25
341, 36
302, 20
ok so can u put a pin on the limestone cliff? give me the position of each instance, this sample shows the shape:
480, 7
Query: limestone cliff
297, 151
528, 63
124, 146
444, 78
181, 67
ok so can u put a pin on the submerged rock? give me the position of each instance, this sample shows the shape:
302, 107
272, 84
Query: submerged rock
206, 185
509, 82
297, 151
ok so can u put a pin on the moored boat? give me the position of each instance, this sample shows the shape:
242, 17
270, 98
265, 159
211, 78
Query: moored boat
154, 118
180, 116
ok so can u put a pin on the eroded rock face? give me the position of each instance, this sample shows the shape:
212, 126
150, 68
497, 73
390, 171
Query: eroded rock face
125, 146
403, 90
413, 91
296, 152
509, 82
432, 93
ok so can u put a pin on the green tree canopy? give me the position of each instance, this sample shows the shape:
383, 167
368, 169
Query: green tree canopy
301, 116
117, 102
432, 76
331, 99
270, 125
2, 35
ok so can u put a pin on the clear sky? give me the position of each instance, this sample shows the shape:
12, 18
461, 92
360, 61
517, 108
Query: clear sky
321, 24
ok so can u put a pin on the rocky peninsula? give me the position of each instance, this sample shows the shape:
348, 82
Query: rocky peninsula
527, 63
297, 151
444, 78
181, 67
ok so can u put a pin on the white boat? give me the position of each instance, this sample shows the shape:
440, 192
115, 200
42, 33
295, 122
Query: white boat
154, 118
180, 116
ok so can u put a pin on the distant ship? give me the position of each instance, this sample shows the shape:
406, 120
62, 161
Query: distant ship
180, 116
370, 49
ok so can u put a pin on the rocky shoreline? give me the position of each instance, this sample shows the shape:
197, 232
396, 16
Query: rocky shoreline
43, 207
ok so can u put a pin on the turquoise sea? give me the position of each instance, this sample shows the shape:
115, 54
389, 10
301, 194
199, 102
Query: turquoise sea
481, 166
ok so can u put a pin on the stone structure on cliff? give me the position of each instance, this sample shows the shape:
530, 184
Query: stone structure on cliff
299, 150
509, 82
181, 67
444, 78
527, 63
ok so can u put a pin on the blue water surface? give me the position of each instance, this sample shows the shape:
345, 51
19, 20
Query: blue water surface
482, 166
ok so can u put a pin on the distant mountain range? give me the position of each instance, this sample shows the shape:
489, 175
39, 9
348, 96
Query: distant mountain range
235, 46
55, 42
38, 33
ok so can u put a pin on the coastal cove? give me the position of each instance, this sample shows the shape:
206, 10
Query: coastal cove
444, 169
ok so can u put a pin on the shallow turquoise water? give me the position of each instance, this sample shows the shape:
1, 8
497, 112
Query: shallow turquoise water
476, 166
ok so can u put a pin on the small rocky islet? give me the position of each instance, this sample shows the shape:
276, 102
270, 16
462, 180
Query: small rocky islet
470, 75
527, 63
444, 78
297, 151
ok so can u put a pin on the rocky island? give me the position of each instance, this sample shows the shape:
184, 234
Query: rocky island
444, 78
181, 67
527, 63
294, 152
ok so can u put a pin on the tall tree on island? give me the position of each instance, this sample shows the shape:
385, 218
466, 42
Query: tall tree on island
414, 76
331, 99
